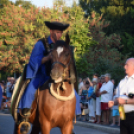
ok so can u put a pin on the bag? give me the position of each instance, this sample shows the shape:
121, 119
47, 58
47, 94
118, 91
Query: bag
11, 89
93, 96
85, 111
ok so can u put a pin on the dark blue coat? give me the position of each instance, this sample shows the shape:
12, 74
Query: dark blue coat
36, 72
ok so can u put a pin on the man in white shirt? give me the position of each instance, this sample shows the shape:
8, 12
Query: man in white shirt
125, 87
106, 93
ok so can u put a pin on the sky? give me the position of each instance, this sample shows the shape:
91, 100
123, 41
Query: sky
47, 3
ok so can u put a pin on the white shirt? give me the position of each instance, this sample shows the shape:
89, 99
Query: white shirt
109, 88
8, 86
125, 87
80, 85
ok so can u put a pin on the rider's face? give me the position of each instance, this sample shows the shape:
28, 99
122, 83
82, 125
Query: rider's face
55, 35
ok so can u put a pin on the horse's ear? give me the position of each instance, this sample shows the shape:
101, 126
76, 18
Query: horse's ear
67, 38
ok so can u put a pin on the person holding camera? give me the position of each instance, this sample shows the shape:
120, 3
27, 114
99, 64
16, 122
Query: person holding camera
106, 94
125, 90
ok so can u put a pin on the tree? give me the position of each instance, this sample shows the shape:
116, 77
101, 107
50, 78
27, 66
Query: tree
21, 28
24, 4
57, 3
120, 15
103, 55
16, 33
5, 2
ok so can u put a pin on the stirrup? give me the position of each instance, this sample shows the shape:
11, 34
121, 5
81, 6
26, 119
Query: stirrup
24, 127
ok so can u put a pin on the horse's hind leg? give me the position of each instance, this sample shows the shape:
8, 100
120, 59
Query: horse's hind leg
35, 130
67, 128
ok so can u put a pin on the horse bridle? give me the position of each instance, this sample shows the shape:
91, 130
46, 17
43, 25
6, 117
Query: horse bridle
64, 66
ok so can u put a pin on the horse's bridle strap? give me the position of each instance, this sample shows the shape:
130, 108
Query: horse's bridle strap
57, 62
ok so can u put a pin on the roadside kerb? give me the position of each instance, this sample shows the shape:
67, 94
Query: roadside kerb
107, 129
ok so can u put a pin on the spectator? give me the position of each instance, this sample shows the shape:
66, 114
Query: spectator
11, 87
95, 76
78, 108
106, 93
3, 82
4, 98
98, 104
91, 84
90, 104
3, 88
0, 96
102, 79
8, 84
95, 82
125, 87
6, 105
92, 101
80, 84
115, 111
83, 94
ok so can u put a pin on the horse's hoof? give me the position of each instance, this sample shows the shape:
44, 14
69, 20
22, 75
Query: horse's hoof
24, 127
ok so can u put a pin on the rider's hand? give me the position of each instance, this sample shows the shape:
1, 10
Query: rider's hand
49, 56
46, 58
110, 104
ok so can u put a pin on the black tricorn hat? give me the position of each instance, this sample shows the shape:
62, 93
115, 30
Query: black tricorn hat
56, 25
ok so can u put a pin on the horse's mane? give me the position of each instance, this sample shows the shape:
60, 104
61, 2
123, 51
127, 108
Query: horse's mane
61, 43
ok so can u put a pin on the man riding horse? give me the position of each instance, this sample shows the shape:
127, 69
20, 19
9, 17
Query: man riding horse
38, 68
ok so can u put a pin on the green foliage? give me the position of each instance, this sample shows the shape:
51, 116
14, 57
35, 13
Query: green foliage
120, 15
128, 42
57, 3
21, 28
24, 4
121, 22
103, 56
26, 26
104, 66
5, 2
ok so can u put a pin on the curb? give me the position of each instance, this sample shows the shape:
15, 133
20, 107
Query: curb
107, 129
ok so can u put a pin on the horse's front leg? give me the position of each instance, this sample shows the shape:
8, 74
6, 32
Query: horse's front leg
67, 128
45, 126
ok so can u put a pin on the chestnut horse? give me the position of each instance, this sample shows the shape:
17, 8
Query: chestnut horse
54, 105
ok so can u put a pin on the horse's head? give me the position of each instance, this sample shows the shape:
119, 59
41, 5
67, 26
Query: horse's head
61, 58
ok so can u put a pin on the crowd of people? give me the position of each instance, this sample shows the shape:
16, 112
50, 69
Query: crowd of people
6, 90
95, 95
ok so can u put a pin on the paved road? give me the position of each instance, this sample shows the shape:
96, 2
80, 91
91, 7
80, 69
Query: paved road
7, 125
